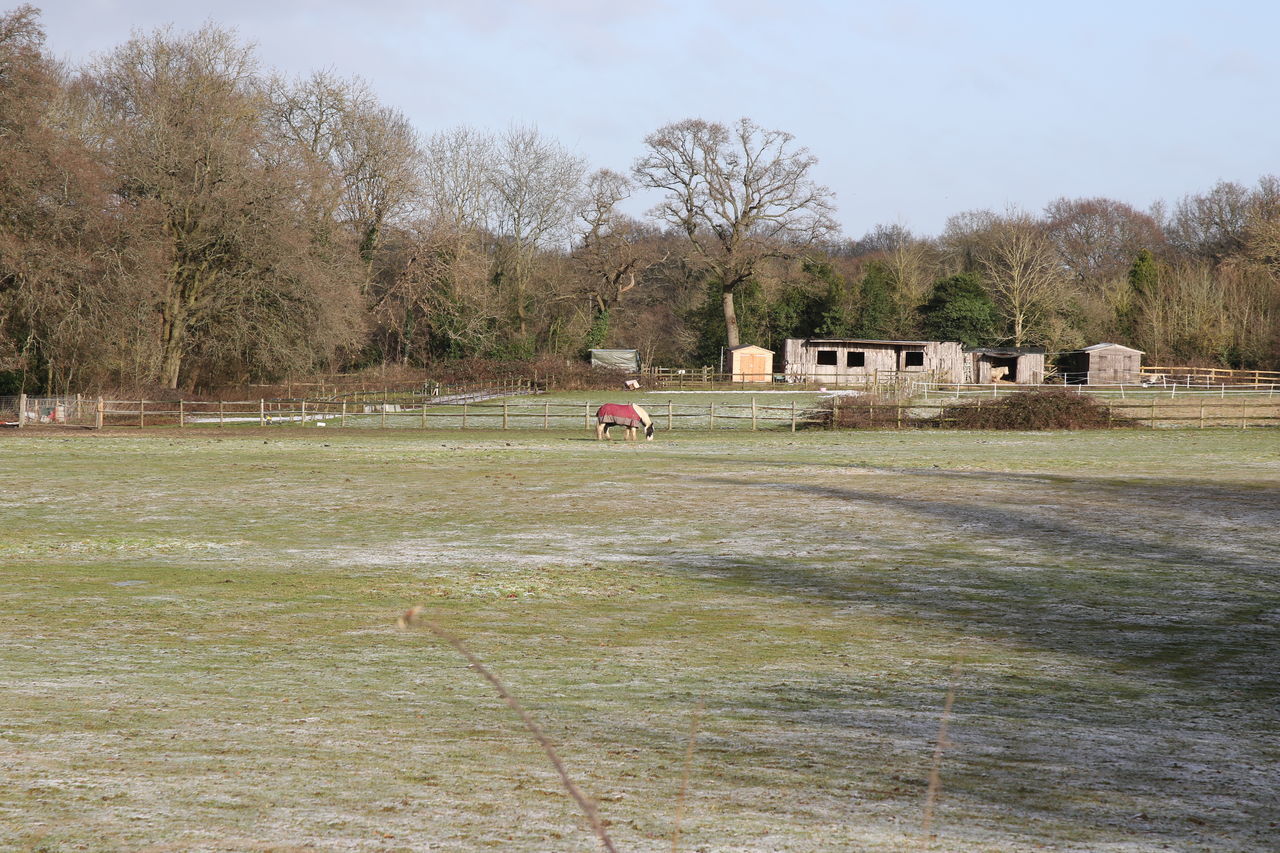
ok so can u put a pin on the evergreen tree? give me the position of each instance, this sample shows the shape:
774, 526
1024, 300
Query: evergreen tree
1144, 283
877, 308
959, 309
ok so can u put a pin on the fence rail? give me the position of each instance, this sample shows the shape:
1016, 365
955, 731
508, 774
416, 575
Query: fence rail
1154, 408
1210, 375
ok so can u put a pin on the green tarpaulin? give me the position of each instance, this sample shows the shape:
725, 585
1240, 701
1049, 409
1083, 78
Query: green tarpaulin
618, 359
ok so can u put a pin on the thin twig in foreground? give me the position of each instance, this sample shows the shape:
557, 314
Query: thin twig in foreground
413, 616
935, 775
684, 777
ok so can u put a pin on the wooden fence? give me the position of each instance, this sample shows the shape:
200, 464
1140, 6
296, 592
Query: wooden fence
1149, 408
1209, 376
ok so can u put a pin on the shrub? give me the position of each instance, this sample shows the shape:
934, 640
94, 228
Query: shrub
1031, 410
862, 412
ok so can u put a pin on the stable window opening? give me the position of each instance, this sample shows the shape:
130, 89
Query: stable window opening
855, 359
827, 357
913, 359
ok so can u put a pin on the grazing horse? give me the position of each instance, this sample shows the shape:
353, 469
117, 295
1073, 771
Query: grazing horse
623, 415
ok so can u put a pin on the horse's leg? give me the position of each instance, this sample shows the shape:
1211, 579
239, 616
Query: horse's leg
602, 432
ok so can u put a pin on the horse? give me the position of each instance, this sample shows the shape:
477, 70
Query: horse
626, 415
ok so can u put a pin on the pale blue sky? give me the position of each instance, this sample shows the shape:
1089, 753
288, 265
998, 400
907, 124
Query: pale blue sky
916, 110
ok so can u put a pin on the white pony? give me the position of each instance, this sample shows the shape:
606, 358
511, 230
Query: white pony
625, 415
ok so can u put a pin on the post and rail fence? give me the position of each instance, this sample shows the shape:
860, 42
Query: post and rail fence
1153, 407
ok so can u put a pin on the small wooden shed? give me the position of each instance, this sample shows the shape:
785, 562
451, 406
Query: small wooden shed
855, 360
749, 363
1020, 365
1102, 364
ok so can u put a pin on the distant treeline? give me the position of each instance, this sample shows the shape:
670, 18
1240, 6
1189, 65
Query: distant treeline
174, 215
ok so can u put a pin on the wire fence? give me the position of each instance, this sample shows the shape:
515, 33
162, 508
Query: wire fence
1150, 407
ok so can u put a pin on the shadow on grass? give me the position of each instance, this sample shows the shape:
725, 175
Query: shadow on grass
1171, 734
1117, 596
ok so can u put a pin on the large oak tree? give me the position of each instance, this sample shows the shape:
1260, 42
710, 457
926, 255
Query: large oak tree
740, 194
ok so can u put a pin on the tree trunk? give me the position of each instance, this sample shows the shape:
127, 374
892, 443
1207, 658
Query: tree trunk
730, 319
173, 342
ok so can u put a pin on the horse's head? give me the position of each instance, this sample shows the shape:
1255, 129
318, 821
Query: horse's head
648, 432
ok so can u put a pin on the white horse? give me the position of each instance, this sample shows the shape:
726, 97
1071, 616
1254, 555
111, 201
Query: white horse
627, 415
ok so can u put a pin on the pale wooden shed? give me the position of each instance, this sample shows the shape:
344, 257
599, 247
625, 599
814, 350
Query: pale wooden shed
1102, 364
841, 361
749, 363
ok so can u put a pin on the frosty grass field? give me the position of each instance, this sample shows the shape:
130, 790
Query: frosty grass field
198, 645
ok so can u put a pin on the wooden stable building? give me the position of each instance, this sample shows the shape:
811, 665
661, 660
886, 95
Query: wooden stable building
1102, 364
749, 363
1019, 365
851, 361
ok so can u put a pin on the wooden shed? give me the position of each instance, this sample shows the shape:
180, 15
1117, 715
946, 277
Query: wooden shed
1102, 364
853, 361
1020, 365
749, 363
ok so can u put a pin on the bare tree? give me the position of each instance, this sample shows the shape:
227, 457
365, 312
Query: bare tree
739, 195
181, 122
1211, 225
1018, 264
912, 266
368, 155
457, 186
1098, 238
68, 310
536, 183
614, 250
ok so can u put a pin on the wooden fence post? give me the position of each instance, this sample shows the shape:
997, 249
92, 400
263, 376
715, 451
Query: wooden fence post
464, 414
504, 414
1201, 414
22, 410
1153, 412
343, 422
546, 415
182, 416
98, 413
262, 412
424, 413
753, 414
668, 416
142, 413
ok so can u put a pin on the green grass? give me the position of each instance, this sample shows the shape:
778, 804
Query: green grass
198, 647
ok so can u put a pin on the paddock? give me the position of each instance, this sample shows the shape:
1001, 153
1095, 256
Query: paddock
199, 648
